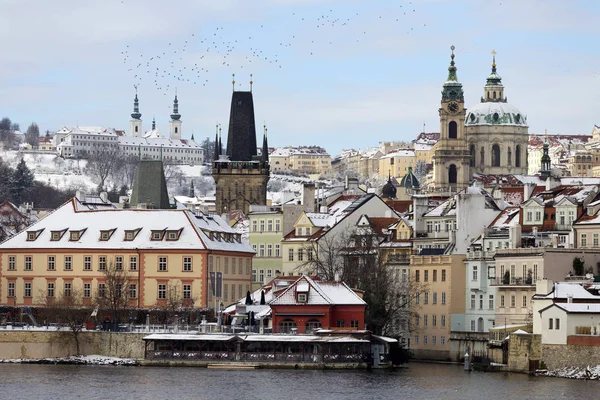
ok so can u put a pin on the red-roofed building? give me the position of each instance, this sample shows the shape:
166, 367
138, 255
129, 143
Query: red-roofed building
309, 304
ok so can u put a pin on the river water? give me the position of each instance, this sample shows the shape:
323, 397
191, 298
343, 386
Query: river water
417, 381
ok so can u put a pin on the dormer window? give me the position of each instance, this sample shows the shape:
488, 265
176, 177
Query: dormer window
74, 236
106, 234
57, 235
33, 235
157, 235
131, 234
302, 297
173, 235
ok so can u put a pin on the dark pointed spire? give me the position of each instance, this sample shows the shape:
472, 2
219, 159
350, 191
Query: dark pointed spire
220, 142
265, 148
452, 68
546, 161
192, 136
241, 137
175, 116
136, 107
153, 123
216, 153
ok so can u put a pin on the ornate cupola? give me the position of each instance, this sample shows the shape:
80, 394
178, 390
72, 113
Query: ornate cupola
136, 108
494, 90
175, 116
452, 89
175, 123
546, 162
135, 124
389, 190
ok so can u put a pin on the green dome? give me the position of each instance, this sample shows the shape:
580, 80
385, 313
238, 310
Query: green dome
409, 181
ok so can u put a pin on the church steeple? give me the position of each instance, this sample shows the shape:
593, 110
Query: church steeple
493, 90
175, 116
153, 123
265, 148
216, 153
136, 107
452, 89
175, 123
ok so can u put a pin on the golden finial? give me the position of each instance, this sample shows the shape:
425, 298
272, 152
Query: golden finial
251, 82
233, 81
493, 58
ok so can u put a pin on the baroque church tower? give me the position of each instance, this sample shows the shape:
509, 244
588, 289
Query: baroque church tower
451, 153
175, 123
135, 124
241, 175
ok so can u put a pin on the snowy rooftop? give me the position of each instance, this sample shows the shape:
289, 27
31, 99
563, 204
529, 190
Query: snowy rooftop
192, 231
320, 293
157, 142
289, 151
563, 290
593, 308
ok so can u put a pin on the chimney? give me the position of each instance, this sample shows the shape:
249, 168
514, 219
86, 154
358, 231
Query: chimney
104, 197
80, 195
308, 197
528, 190
549, 183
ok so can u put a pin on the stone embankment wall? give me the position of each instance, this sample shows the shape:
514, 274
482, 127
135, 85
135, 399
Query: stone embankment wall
48, 344
580, 351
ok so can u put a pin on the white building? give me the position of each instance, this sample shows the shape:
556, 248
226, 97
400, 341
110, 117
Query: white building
83, 141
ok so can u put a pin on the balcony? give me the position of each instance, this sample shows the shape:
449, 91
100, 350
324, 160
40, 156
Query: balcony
481, 255
499, 281
432, 234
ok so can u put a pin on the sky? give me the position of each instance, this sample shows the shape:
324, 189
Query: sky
334, 73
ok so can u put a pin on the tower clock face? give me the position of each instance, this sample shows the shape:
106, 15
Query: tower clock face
453, 107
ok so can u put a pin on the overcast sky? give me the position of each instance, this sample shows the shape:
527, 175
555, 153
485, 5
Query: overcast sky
334, 73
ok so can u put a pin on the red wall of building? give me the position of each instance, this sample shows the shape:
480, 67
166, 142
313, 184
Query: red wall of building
331, 314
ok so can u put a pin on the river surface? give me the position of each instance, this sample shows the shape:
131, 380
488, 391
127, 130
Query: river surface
417, 381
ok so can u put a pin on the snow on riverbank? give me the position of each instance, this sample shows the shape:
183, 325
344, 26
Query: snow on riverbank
80, 360
592, 373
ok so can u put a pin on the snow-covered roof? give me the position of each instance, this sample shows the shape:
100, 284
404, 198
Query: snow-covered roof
157, 142
289, 151
210, 337
194, 231
563, 290
495, 113
593, 308
320, 293
400, 153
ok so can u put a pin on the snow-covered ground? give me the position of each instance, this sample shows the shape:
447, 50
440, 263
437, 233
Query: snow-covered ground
85, 360
592, 373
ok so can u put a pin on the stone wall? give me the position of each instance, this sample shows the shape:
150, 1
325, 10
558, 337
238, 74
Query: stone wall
48, 344
557, 356
522, 349
476, 342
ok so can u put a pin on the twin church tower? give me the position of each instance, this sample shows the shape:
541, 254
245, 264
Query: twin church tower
488, 138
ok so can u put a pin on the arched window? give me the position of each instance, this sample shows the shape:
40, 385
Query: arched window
312, 325
286, 325
452, 130
509, 157
136, 128
480, 325
472, 151
494, 95
176, 129
452, 174
482, 159
518, 156
495, 155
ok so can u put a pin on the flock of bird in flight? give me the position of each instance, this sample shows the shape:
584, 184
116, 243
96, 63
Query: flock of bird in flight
193, 59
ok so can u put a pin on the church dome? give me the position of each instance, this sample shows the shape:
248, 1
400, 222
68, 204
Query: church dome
389, 190
409, 181
495, 113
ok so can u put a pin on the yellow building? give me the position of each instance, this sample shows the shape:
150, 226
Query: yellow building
396, 163
163, 251
306, 160
441, 280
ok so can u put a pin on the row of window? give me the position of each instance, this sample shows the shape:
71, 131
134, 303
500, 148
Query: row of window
426, 275
119, 263
268, 250
528, 275
434, 298
87, 290
434, 320
433, 339
237, 265
269, 225
236, 293
75, 235
481, 301
301, 253
261, 274
584, 237
513, 301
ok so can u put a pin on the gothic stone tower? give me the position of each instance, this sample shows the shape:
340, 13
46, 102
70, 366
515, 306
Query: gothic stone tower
451, 154
240, 175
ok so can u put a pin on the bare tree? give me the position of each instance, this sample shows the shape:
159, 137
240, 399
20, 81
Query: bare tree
114, 292
32, 135
358, 258
102, 163
176, 302
69, 310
